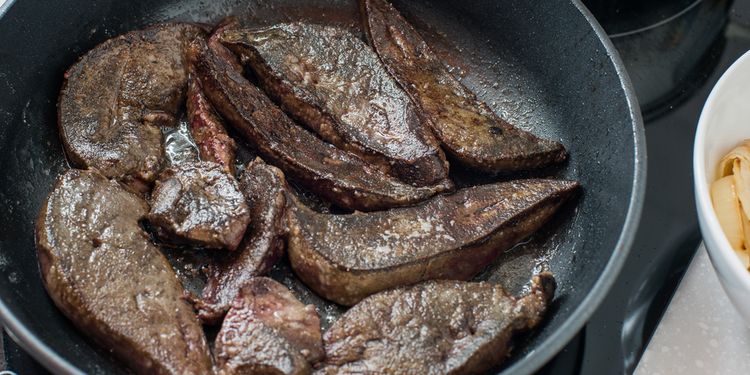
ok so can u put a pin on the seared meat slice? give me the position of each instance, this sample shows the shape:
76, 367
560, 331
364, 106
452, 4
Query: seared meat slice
207, 130
345, 258
336, 175
199, 203
214, 41
206, 127
437, 327
264, 188
102, 271
328, 79
117, 95
268, 331
466, 126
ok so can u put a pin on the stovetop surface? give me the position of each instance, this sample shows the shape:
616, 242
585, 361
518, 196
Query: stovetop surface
618, 333
614, 339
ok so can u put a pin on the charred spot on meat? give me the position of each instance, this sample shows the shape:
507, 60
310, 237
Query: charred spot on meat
268, 330
437, 327
336, 175
331, 81
116, 98
345, 258
103, 273
199, 204
468, 129
265, 189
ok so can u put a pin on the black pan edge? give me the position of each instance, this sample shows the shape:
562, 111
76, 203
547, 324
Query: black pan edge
17, 331
581, 315
6, 5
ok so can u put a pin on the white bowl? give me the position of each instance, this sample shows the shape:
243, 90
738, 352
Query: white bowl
724, 123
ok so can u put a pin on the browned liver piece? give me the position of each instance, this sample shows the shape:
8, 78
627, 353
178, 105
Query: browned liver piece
336, 175
437, 327
265, 189
268, 331
199, 204
330, 80
105, 275
345, 258
118, 95
468, 129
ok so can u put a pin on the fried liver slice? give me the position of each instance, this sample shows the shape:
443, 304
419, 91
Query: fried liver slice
345, 258
268, 331
102, 271
207, 130
336, 175
328, 79
265, 189
199, 204
117, 96
468, 129
437, 327
206, 126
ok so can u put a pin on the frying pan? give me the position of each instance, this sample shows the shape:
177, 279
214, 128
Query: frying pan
545, 65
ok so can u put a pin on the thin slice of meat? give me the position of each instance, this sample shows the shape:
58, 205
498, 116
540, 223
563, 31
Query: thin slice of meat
116, 97
206, 127
268, 331
207, 130
338, 176
199, 204
437, 327
345, 258
331, 81
265, 189
214, 41
466, 126
102, 271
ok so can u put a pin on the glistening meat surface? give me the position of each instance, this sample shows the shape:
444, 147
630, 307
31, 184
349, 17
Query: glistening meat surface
268, 331
117, 96
466, 126
102, 271
331, 81
345, 258
437, 327
265, 189
199, 204
336, 175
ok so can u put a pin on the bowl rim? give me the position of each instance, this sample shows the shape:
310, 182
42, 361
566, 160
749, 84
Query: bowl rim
710, 227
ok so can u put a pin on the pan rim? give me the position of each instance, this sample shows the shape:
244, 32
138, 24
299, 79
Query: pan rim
21, 335
51, 360
580, 316
4, 6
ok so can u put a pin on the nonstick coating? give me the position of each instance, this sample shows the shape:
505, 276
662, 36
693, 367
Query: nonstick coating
546, 65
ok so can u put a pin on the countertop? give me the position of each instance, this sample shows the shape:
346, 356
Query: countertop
701, 332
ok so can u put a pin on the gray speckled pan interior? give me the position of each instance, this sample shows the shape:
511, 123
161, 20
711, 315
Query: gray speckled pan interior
541, 65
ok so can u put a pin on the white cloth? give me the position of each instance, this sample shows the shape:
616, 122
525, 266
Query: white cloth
701, 332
